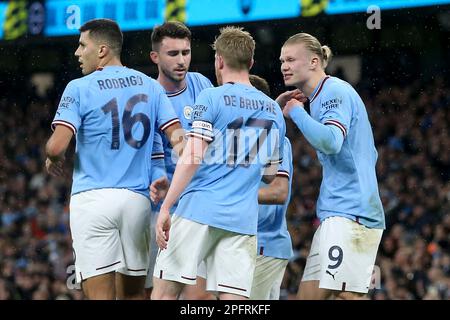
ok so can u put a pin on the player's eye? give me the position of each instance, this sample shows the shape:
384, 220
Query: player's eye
173, 53
185, 52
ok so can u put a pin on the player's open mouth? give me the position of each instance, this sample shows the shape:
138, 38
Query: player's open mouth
287, 76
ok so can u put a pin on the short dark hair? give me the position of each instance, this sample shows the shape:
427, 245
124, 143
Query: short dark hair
105, 30
260, 84
170, 29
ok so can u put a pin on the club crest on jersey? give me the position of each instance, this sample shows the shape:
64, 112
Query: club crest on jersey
187, 112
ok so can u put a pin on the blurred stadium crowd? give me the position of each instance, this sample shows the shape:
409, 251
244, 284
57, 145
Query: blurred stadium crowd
410, 125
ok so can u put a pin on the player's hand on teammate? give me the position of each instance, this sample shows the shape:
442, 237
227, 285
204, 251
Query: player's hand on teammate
158, 189
162, 228
54, 168
291, 104
283, 98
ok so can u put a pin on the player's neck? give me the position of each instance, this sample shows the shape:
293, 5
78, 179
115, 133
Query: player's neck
236, 77
109, 61
309, 86
170, 85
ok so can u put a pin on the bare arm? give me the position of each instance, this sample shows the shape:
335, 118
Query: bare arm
276, 192
175, 133
270, 173
56, 148
57, 144
186, 167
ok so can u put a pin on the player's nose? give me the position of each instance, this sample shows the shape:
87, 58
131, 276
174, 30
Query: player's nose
284, 67
181, 60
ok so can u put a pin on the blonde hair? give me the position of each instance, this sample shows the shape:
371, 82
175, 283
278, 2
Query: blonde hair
236, 46
313, 45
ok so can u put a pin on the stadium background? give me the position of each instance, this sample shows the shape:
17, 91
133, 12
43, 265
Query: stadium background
401, 71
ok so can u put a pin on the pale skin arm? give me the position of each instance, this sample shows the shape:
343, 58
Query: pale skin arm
187, 165
56, 148
276, 192
270, 173
175, 133
159, 188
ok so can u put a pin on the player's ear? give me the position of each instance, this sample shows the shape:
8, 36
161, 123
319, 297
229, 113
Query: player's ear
154, 57
314, 62
220, 61
251, 64
103, 51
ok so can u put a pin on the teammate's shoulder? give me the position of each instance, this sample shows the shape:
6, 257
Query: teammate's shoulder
79, 83
137, 72
153, 83
212, 91
334, 83
197, 76
144, 76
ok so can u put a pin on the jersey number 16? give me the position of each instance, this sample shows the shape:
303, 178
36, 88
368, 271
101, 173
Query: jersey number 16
127, 122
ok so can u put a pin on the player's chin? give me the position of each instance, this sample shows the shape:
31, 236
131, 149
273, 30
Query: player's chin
179, 75
289, 82
86, 71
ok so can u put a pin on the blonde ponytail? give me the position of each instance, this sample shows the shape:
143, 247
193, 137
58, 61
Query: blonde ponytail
327, 55
312, 44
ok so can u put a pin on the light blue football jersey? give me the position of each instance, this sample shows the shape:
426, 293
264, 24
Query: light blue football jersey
349, 185
114, 113
244, 128
182, 102
274, 239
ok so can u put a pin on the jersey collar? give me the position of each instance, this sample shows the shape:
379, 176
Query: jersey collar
318, 88
175, 93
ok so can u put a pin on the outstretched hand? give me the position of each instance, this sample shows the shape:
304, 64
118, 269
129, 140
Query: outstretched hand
54, 168
162, 228
158, 189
